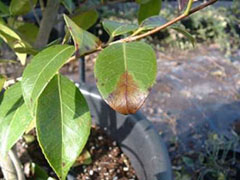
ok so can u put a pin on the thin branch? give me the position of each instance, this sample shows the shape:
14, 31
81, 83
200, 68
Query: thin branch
153, 31
189, 6
7, 167
169, 23
17, 164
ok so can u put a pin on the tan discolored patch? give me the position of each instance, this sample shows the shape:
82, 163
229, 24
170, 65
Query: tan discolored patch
127, 98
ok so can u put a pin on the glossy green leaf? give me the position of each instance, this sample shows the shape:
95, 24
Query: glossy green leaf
4, 8
28, 32
13, 40
115, 28
152, 22
2, 81
14, 118
69, 5
21, 7
63, 124
41, 70
125, 72
86, 19
149, 9
185, 33
83, 40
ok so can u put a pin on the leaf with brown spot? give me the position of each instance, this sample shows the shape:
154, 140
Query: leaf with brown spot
125, 73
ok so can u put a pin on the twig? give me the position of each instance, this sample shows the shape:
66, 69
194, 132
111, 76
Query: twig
7, 167
153, 31
134, 38
189, 6
17, 164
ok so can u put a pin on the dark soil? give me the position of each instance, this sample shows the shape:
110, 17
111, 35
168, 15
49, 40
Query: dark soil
108, 161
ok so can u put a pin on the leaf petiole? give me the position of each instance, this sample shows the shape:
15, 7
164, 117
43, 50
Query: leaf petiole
189, 6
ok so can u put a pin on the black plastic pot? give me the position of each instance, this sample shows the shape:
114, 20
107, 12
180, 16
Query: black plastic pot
136, 136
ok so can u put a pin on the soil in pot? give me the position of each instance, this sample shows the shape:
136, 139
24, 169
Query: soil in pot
107, 160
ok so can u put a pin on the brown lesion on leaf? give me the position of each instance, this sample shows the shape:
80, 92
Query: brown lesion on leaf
63, 164
127, 98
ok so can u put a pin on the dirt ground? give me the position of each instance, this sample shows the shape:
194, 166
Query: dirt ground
196, 92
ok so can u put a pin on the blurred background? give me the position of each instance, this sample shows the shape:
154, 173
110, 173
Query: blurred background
195, 103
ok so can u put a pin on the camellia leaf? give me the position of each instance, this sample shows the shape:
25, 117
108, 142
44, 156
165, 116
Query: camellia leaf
28, 32
41, 70
14, 41
38, 172
4, 8
115, 28
149, 9
2, 81
14, 118
83, 40
21, 7
63, 124
31, 51
152, 22
85, 19
185, 33
125, 72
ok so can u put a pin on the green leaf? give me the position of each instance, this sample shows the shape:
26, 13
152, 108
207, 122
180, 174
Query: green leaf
125, 72
149, 9
41, 70
4, 8
86, 19
185, 33
2, 81
2, 21
83, 40
14, 41
31, 51
21, 7
152, 22
69, 5
115, 28
28, 32
38, 172
14, 118
63, 124
142, 1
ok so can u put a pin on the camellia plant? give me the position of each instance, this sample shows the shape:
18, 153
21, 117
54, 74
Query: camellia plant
125, 71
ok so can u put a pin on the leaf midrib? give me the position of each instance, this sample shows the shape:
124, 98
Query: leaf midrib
61, 111
126, 75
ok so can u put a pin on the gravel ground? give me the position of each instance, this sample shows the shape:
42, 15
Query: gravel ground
196, 92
